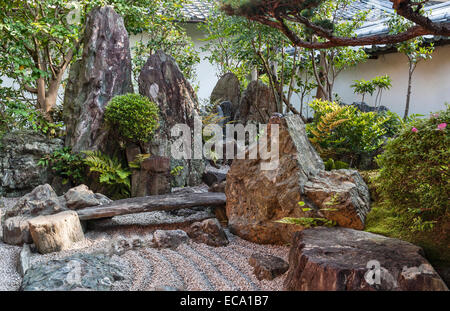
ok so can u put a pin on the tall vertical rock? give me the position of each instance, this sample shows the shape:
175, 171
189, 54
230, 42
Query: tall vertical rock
162, 81
227, 89
257, 104
103, 72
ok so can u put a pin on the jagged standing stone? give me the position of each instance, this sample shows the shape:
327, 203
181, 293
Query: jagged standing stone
162, 81
257, 198
257, 104
103, 72
227, 89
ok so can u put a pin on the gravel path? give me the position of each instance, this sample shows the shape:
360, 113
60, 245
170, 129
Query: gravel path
191, 266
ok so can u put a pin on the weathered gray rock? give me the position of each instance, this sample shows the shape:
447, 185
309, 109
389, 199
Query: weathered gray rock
55, 232
346, 259
209, 232
169, 238
24, 260
227, 89
81, 196
43, 200
211, 176
16, 230
103, 72
257, 198
162, 81
20, 153
77, 272
257, 104
267, 266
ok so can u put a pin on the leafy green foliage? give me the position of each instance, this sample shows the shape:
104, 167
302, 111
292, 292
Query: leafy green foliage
414, 175
176, 171
168, 36
331, 164
360, 132
378, 84
363, 87
111, 173
17, 113
136, 163
65, 164
307, 222
133, 116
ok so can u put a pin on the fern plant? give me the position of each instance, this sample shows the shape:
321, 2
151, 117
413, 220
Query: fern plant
322, 130
138, 159
345, 133
111, 173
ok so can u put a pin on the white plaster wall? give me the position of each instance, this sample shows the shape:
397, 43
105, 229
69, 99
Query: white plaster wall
430, 82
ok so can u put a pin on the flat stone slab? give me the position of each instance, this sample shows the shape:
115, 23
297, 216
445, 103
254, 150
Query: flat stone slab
347, 259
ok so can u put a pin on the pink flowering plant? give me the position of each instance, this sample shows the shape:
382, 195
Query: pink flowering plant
414, 175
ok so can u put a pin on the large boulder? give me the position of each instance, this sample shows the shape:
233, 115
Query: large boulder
162, 81
346, 259
77, 272
43, 200
257, 198
20, 153
81, 196
57, 232
208, 231
257, 104
227, 89
103, 72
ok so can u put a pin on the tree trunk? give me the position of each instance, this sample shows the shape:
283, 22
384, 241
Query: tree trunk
408, 93
52, 93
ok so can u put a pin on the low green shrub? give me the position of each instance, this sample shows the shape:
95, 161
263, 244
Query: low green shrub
133, 117
414, 176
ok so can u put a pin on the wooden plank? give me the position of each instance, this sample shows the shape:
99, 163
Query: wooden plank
163, 202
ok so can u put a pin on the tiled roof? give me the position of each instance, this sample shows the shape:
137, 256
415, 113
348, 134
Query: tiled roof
197, 10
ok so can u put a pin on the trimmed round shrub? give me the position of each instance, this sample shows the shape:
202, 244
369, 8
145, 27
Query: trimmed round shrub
133, 116
414, 175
